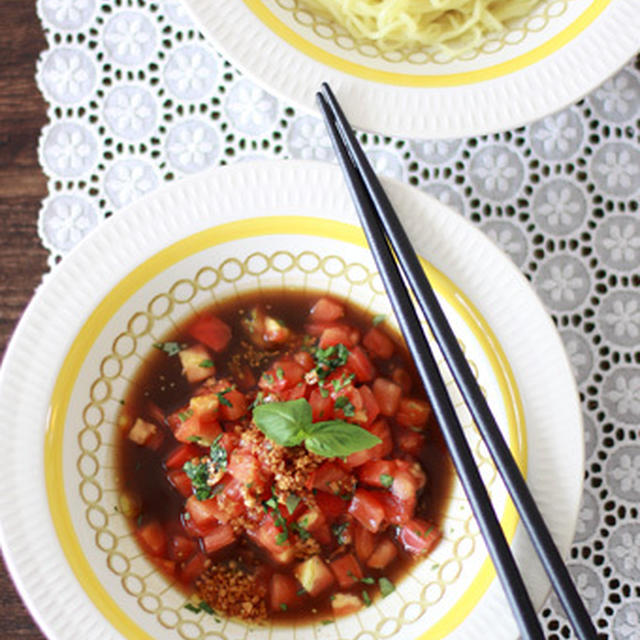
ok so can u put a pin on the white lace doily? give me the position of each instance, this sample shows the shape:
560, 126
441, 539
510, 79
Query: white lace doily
138, 98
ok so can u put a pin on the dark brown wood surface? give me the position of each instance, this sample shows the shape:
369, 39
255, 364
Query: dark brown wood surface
22, 187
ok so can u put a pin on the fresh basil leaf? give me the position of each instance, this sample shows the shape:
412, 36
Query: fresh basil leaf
286, 423
338, 439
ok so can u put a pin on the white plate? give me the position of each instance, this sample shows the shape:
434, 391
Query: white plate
550, 60
60, 534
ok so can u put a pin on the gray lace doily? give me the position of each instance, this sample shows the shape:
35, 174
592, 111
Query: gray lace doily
138, 98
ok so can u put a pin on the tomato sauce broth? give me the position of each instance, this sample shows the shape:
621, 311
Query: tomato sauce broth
160, 391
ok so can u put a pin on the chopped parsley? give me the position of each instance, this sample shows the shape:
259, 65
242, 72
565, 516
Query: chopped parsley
346, 405
283, 606
339, 530
329, 359
204, 606
301, 591
386, 586
221, 397
218, 455
197, 608
324, 392
326, 622
268, 378
280, 373
170, 348
199, 475
379, 319
366, 598
185, 415
386, 480
281, 538
344, 380
367, 580
259, 399
206, 364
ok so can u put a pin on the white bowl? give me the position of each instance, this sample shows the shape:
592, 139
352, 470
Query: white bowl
541, 64
71, 552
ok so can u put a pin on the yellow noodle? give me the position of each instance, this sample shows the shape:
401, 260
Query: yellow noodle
449, 25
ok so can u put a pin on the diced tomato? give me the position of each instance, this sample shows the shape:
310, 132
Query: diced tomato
205, 405
283, 374
367, 509
344, 604
378, 343
304, 359
229, 441
196, 362
388, 396
211, 331
409, 441
382, 555
321, 406
203, 513
299, 391
315, 522
326, 310
182, 454
182, 548
413, 413
180, 480
193, 568
271, 537
245, 468
358, 362
201, 429
404, 486
379, 428
142, 432
314, 575
220, 536
242, 375
331, 477
283, 592
369, 404
331, 506
166, 565
233, 405
338, 334
364, 542
351, 407
415, 470
419, 537
153, 538
402, 378
346, 570
377, 473
275, 332
397, 511
155, 412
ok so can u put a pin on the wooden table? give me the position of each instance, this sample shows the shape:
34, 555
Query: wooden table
22, 187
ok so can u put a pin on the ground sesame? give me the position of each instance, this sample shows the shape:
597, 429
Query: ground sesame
233, 592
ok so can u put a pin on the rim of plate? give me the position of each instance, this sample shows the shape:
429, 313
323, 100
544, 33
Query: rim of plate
512, 93
95, 266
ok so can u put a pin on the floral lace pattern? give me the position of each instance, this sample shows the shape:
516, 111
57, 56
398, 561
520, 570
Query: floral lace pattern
138, 98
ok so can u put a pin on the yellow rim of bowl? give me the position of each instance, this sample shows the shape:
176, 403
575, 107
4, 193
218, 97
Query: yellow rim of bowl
277, 225
264, 14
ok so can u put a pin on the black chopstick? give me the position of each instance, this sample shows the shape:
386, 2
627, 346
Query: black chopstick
377, 217
475, 400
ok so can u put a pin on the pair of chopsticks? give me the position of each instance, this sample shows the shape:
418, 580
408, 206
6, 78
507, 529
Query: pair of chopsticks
387, 239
